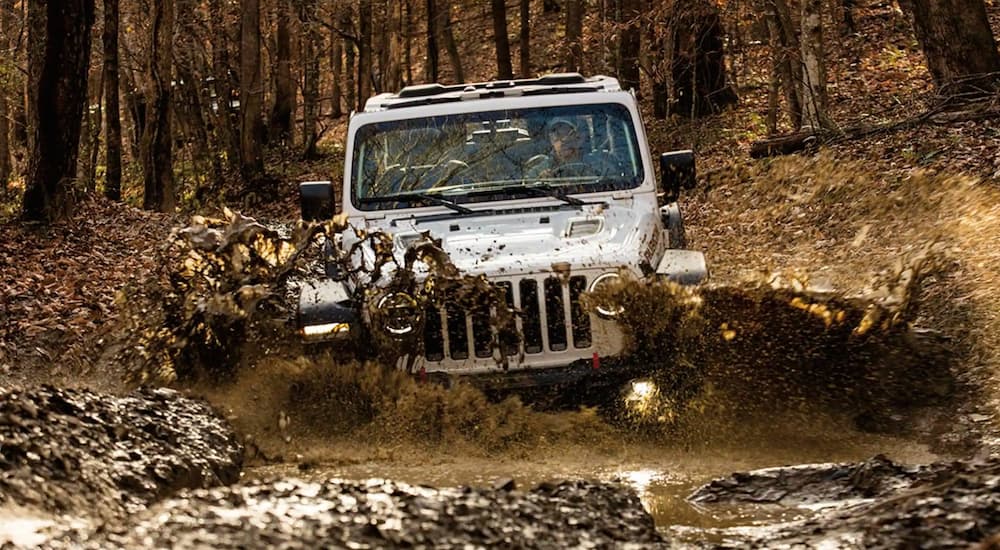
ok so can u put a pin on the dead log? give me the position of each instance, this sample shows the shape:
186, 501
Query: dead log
783, 145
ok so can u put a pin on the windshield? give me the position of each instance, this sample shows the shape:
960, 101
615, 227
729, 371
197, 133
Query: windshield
486, 156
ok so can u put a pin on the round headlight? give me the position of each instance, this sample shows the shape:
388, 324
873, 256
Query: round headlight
602, 284
398, 313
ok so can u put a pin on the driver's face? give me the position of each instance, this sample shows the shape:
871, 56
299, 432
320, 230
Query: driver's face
565, 143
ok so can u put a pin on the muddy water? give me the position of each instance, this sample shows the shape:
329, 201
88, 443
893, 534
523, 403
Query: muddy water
662, 474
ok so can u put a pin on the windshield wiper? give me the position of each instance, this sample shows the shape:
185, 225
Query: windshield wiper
535, 190
416, 196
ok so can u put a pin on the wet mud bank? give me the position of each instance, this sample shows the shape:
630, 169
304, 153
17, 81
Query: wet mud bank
101, 457
871, 504
379, 514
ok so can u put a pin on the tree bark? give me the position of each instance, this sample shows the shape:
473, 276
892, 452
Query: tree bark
280, 124
574, 35
407, 40
113, 126
814, 112
251, 93
959, 47
157, 138
525, 39
58, 74
350, 69
505, 69
629, 44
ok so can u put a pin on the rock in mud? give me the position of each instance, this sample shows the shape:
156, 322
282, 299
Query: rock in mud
380, 514
881, 504
79, 453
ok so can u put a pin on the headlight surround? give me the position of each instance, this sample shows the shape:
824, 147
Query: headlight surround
398, 314
603, 307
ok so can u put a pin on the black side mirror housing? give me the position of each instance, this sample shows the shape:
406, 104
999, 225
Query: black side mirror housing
316, 200
676, 172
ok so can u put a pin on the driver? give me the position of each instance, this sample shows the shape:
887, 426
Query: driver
567, 146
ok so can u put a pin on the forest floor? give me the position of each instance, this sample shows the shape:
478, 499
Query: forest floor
846, 217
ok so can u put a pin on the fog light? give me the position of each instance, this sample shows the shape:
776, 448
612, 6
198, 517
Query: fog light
398, 313
328, 329
604, 284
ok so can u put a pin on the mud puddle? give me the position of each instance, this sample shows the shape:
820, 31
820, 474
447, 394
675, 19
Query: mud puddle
663, 475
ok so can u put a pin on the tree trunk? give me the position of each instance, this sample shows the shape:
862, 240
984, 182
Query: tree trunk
431, 66
959, 48
792, 68
226, 125
94, 145
113, 126
187, 98
350, 71
251, 93
310, 81
525, 39
364, 53
698, 67
574, 35
336, 73
814, 115
448, 38
157, 139
59, 78
629, 44
6, 28
280, 125
505, 70
407, 40
782, 59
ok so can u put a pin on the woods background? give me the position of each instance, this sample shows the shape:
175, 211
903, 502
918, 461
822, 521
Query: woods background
169, 103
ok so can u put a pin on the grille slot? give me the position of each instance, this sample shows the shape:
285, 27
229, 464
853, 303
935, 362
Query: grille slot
531, 316
547, 321
555, 314
579, 317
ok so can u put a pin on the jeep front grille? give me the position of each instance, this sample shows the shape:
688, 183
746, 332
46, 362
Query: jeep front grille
552, 317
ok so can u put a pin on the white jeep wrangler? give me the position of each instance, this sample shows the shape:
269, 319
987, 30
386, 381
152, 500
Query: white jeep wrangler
544, 186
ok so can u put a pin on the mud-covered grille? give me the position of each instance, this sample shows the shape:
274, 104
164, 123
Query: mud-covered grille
551, 318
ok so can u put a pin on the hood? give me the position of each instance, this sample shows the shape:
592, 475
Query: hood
614, 234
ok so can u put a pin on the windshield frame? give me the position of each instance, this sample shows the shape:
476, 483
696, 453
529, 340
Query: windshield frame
478, 192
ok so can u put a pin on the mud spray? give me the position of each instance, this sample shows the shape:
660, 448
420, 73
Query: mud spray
839, 300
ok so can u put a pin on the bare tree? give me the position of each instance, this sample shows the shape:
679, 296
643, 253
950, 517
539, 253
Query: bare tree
6, 26
443, 27
525, 39
629, 44
113, 126
364, 52
785, 52
336, 72
280, 124
574, 35
310, 76
499, 11
157, 140
251, 93
226, 124
431, 66
60, 35
814, 111
959, 47
350, 71
698, 68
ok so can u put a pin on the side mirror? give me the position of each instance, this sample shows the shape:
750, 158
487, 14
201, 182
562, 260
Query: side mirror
316, 200
676, 172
